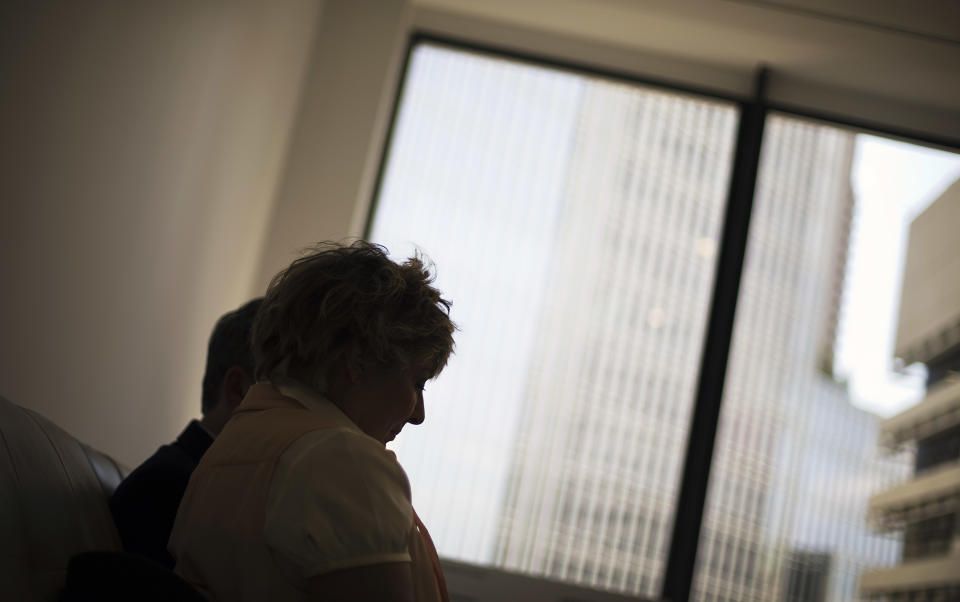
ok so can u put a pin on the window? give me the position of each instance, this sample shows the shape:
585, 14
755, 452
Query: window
576, 224
811, 372
929, 537
938, 450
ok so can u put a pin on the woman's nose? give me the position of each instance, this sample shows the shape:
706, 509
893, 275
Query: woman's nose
418, 412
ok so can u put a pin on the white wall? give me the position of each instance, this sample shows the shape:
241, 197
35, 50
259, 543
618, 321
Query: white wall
341, 126
141, 148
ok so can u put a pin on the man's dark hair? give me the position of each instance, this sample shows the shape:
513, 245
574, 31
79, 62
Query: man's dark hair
229, 346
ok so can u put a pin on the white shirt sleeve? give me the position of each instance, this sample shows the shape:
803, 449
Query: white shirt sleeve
338, 499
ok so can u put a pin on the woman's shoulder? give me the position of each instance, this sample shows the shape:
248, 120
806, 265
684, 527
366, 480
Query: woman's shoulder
338, 499
338, 441
342, 453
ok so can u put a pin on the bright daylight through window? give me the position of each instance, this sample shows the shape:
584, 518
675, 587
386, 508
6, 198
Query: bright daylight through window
811, 372
576, 223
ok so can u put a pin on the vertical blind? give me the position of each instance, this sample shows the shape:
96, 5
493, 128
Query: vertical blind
798, 455
574, 222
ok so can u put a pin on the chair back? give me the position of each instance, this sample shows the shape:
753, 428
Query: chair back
53, 503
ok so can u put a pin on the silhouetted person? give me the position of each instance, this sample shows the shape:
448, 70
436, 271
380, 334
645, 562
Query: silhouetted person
145, 504
299, 499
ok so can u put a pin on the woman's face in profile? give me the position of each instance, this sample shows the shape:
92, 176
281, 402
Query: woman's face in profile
393, 397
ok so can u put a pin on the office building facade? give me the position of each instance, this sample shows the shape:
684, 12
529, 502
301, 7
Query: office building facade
591, 490
926, 508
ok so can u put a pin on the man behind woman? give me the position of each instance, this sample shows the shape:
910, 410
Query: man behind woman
145, 504
298, 499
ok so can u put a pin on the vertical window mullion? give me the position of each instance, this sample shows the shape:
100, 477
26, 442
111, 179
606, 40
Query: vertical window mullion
681, 562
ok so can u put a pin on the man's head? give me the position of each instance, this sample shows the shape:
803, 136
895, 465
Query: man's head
229, 370
348, 311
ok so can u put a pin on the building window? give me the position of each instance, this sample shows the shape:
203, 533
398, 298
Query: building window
930, 537
939, 449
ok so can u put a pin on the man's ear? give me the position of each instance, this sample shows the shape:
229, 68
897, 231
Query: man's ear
235, 384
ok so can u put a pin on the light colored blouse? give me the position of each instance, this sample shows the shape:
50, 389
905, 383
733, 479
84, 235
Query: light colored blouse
338, 499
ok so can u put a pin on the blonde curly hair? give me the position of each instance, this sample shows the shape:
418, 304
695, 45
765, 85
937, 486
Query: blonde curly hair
350, 301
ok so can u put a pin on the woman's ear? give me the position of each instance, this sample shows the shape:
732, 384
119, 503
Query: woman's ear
343, 374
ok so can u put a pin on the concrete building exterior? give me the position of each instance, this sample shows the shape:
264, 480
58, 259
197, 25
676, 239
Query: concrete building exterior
926, 508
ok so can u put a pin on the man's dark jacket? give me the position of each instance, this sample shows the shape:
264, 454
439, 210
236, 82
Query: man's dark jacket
145, 504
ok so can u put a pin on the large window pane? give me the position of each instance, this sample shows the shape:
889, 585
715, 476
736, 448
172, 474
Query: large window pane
812, 372
574, 221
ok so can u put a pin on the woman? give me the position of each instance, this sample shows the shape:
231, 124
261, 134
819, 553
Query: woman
298, 499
